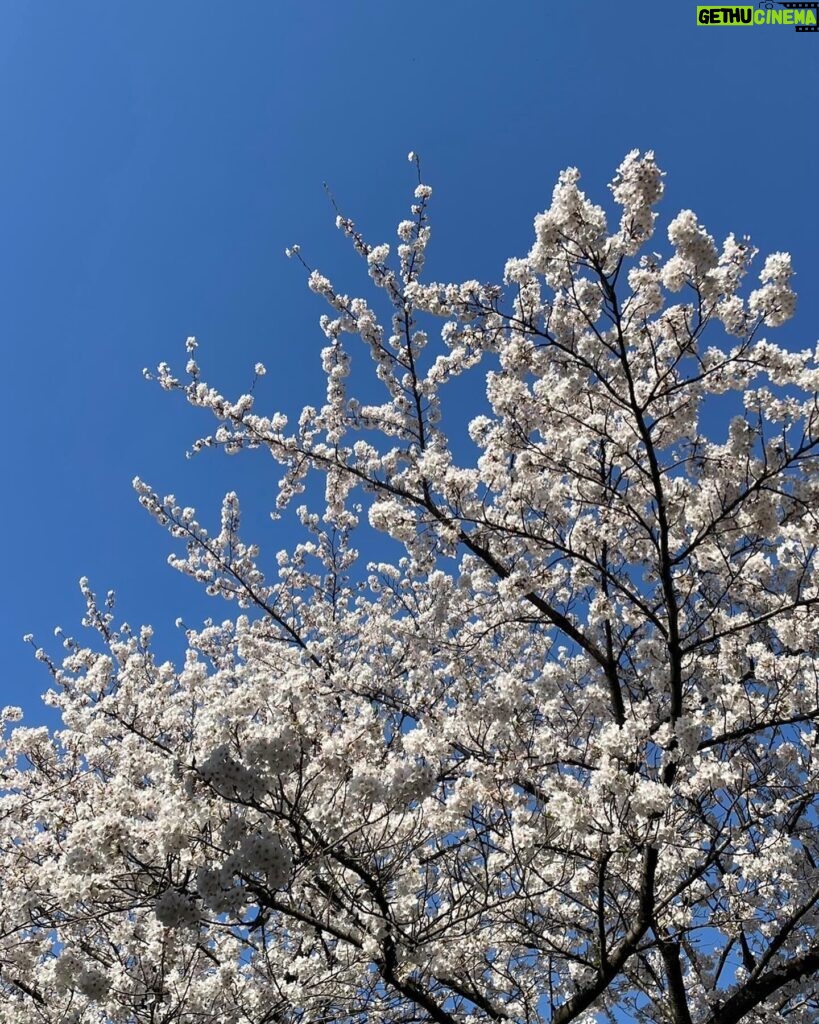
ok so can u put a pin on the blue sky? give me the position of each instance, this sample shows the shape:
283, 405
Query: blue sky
157, 159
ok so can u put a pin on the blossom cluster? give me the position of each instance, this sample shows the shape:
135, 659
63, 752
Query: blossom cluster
544, 751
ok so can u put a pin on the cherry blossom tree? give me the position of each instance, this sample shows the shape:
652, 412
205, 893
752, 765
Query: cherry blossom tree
553, 761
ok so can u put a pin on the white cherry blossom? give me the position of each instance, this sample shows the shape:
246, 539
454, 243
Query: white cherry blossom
542, 752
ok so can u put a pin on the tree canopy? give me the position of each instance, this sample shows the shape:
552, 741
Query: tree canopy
553, 761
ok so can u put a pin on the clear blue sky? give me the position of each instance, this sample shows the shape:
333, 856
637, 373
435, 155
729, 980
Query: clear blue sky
158, 157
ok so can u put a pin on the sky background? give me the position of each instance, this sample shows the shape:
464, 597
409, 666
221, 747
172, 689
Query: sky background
157, 159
